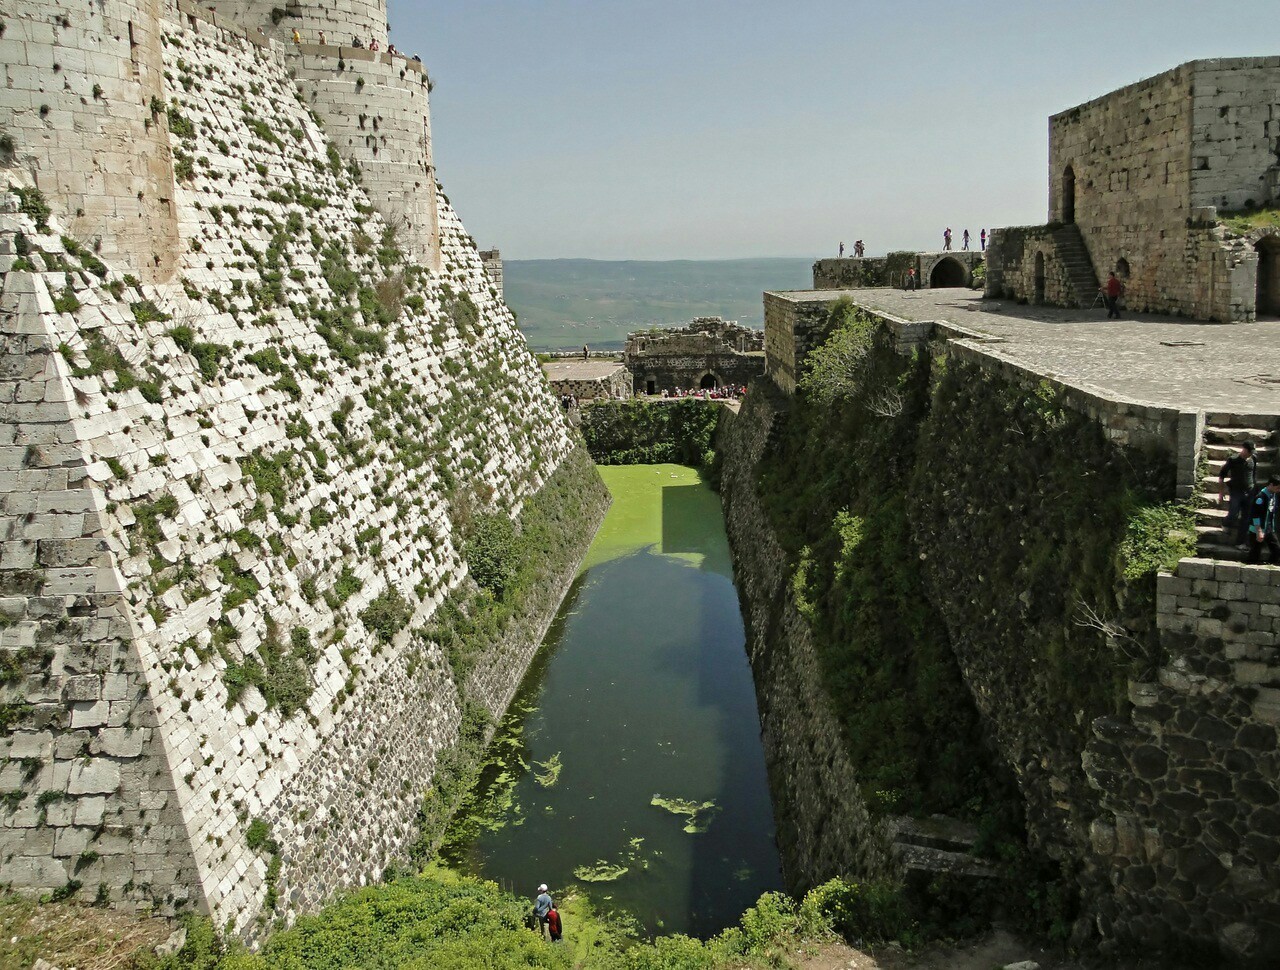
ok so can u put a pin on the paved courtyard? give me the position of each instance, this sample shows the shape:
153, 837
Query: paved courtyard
1162, 360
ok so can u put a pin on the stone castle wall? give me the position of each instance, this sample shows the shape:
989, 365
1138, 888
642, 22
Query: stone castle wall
1189, 835
681, 359
341, 21
1235, 107
85, 129
824, 828
1166, 814
231, 504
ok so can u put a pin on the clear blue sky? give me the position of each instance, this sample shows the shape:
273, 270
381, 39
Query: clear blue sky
669, 129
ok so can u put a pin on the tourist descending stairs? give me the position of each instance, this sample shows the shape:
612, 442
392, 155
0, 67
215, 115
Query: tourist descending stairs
1223, 436
1074, 256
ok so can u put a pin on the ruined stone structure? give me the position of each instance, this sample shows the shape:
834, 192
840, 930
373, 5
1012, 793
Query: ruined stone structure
592, 379
1164, 809
1138, 179
492, 260
711, 352
254, 380
933, 269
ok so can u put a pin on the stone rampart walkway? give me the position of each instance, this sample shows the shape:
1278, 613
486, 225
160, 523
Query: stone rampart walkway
1161, 360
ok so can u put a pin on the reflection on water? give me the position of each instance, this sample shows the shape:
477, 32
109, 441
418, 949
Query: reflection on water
631, 764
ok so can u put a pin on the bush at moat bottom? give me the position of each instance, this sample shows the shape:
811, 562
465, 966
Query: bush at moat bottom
444, 921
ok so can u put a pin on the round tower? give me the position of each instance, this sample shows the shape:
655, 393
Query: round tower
83, 82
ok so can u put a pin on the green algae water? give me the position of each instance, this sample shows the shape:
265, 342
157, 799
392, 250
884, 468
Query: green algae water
630, 764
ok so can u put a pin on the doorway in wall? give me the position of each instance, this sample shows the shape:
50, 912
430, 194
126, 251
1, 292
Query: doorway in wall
1268, 302
1069, 194
948, 272
709, 382
651, 387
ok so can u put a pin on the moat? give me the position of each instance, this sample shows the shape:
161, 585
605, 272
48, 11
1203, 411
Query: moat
630, 765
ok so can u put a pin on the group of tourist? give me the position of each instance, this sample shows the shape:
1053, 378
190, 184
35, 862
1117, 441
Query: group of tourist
1251, 508
859, 250
729, 392
373, 46
964, 240
568, 402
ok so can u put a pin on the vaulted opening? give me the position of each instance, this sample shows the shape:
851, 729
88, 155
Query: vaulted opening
1068, 194
948, 272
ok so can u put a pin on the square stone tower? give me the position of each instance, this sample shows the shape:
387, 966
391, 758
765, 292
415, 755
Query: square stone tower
1137, 181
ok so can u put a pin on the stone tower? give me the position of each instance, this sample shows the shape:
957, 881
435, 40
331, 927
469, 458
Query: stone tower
374, 105
85, 122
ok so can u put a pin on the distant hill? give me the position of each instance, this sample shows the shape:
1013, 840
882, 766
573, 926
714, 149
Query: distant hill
564, 303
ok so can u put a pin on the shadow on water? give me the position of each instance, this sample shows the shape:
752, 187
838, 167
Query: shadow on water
644, 689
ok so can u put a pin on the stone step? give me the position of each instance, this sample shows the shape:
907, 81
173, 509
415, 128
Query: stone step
937, 832
1215, 435
924, 860
1221, 452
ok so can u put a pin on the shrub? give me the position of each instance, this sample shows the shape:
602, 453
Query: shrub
492, 552
386, 615
31, 202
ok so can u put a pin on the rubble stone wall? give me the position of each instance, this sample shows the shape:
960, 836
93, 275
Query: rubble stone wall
1190, 833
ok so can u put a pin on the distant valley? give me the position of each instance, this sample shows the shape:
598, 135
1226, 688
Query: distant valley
565, 303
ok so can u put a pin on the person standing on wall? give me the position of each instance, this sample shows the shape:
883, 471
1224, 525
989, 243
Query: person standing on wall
965, 241
842, 250
586, 354
1262, 523
542, 906
911, 278
1238, 479
982, 237
1113, 290
946, 240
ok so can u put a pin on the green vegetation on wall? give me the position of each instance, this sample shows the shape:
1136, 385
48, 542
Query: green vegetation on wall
651, 433
513, 566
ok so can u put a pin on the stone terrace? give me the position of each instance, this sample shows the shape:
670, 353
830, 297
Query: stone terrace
1209, 366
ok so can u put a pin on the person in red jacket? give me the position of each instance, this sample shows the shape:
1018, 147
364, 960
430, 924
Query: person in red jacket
554, 926
1114, 289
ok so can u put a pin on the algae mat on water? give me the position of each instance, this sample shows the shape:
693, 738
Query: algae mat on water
666, 507
643, 687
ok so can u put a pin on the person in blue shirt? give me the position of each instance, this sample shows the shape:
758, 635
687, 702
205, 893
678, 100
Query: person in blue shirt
541, 907
1262, 523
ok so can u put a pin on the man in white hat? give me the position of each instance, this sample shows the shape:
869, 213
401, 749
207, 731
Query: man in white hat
541, 907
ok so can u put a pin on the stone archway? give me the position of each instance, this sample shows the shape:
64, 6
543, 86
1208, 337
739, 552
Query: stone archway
708, 382
1268, 301
948, 272
1039, 294
1068, 194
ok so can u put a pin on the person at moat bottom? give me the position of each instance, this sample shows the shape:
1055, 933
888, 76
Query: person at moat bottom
1262, 523
542, 907
1238, 480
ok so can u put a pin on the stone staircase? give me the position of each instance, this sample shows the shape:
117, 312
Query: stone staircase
1223, 436
1074, 256
926, 847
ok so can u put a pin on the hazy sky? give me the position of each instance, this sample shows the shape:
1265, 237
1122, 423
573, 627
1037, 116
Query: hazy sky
667, 129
